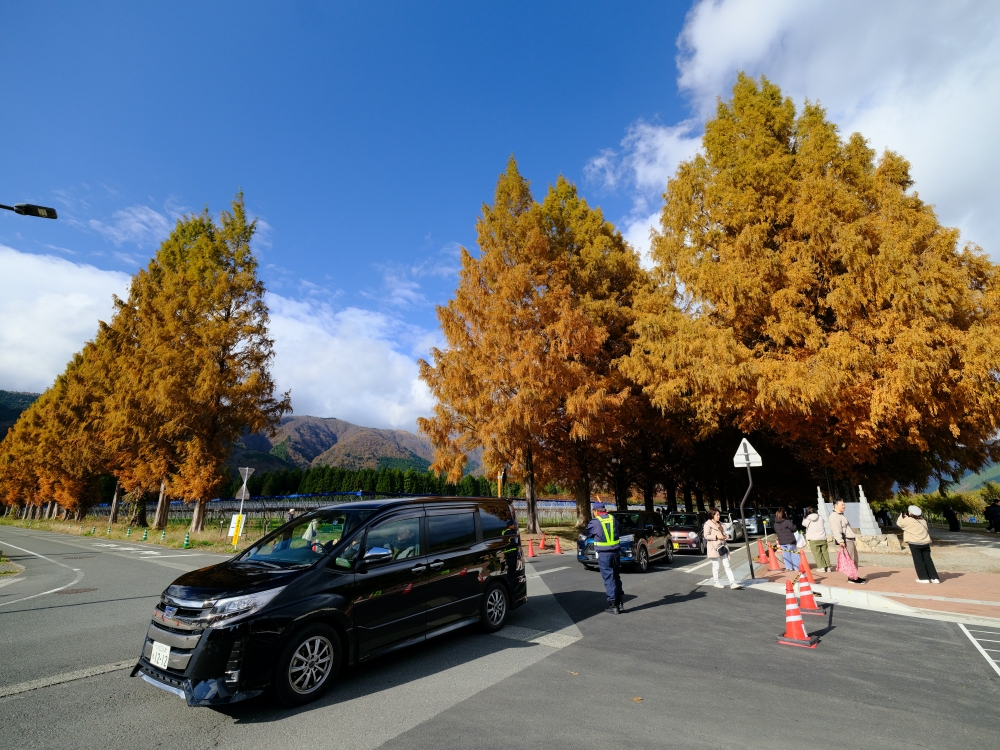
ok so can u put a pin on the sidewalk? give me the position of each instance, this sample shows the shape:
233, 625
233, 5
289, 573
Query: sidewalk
961, 595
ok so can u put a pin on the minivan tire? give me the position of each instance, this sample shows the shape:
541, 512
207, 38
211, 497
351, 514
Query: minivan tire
494, 608
308, 664
642, 560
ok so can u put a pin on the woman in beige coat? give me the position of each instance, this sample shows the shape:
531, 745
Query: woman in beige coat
917, 536
715, 542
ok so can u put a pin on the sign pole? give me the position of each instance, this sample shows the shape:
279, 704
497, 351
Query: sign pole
236, 525
746, 456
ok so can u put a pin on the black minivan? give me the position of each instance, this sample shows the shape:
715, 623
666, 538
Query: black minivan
331, 588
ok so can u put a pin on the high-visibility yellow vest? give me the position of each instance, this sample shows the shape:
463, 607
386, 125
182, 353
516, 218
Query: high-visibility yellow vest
608, 524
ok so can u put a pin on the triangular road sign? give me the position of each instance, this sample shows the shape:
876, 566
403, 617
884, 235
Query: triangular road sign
746, 455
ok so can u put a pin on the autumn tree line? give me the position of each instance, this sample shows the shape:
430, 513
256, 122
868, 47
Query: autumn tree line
159, 396
800, 293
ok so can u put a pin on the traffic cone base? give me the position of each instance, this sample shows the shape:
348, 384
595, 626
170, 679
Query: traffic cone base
786, 641
807, 604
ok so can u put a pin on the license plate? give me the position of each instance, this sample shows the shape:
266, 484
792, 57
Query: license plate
676, 545
160, 656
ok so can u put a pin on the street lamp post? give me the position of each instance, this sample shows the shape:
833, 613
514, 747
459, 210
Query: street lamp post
30, 209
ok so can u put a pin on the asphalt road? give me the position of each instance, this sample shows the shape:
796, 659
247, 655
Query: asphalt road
703, 661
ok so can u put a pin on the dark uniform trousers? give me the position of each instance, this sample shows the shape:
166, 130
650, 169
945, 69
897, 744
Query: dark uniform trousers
610, 565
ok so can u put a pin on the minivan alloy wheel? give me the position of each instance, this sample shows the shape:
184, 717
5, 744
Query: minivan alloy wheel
310, 664
643, 560
496, 606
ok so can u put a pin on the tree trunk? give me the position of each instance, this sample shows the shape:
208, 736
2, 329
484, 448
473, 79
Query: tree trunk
671, 495
699, 497
529, 492
198, 515
139, 514
581, 491
162, 507
621, 488
688, 503
648, 492
78, 516
113, 517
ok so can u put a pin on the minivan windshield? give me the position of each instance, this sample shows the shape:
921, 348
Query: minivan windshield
683, 519
305, 542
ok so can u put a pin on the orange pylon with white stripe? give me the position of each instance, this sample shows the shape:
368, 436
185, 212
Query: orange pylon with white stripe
805, 567
808, 605
795, 632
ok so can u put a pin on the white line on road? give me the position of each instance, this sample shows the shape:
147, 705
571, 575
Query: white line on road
550, 570
58, 679
76, 580
992, 662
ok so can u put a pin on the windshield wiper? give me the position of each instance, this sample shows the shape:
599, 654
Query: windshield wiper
265, 563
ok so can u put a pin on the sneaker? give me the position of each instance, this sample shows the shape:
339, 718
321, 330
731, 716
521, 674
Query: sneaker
734, 586
935, 580
718, 585
857, 580
612, 610
922, 580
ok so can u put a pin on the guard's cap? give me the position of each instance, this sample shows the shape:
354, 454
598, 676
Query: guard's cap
915, 511
598, 506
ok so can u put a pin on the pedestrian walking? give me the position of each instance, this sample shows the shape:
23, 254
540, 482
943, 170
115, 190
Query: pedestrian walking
816, 538
993, 516
843, 535
918, 537
784, 529
605, 532
718, 550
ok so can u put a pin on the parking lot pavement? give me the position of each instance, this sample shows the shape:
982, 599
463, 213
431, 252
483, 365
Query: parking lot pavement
686, 666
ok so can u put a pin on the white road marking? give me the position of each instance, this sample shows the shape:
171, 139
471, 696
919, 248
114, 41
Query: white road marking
9, 581
550, 570
79, 674
975, 642
77, 579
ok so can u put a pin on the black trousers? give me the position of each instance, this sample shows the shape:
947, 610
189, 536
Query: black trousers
922, 561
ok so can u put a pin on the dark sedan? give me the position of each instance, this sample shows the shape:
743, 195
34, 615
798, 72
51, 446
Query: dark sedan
644, 538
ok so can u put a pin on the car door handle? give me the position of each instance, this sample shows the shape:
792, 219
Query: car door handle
418, 569
437, 565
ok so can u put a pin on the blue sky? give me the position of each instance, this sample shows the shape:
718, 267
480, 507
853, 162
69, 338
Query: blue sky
366, 136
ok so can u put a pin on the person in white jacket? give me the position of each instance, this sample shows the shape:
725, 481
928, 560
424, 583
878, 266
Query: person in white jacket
816, 537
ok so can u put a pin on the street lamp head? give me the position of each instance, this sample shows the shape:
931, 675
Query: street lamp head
29, 209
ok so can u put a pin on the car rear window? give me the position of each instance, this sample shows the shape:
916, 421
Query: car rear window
496, 520
451, 531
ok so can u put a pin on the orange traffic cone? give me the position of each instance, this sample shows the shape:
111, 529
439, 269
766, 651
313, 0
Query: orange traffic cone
808, 604
558, 547
541, 542
761, 554
795, 632
772, 560
805, 567
531, 548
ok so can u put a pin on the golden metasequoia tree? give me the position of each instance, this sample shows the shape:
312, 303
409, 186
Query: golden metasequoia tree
517, 342
806, 291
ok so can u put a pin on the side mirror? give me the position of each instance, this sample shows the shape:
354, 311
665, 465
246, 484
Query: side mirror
377, 555
649, 527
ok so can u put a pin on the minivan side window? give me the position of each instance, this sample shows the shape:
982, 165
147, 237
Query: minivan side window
451, 531
496, 521
401, 536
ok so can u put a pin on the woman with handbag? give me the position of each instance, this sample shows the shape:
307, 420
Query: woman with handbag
718, 550
784, 529
816, 538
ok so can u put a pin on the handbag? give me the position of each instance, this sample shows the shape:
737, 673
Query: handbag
846, 565
723, 550
800, 541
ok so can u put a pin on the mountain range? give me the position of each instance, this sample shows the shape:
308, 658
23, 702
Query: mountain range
301, 442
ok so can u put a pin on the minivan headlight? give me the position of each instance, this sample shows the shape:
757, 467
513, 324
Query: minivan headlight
238, 607
692, 535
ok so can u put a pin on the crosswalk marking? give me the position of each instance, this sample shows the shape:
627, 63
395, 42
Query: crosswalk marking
984, 651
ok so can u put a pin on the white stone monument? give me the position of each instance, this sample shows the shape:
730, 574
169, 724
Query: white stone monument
824, 512
867, 524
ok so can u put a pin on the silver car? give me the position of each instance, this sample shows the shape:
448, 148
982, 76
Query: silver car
733, 525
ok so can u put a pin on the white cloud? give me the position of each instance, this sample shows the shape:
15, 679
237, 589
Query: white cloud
919, 78
353, 364
49, 307
347, 363
139, 224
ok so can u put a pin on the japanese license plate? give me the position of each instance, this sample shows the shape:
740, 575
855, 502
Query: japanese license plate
676, 545
160, 656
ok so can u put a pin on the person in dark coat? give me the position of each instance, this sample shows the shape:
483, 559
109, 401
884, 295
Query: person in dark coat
953, 524
604, 530
993, 516
784, 529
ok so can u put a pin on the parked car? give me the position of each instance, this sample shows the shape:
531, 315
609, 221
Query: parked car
687, 532
733, 525
333, 587
644, 538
